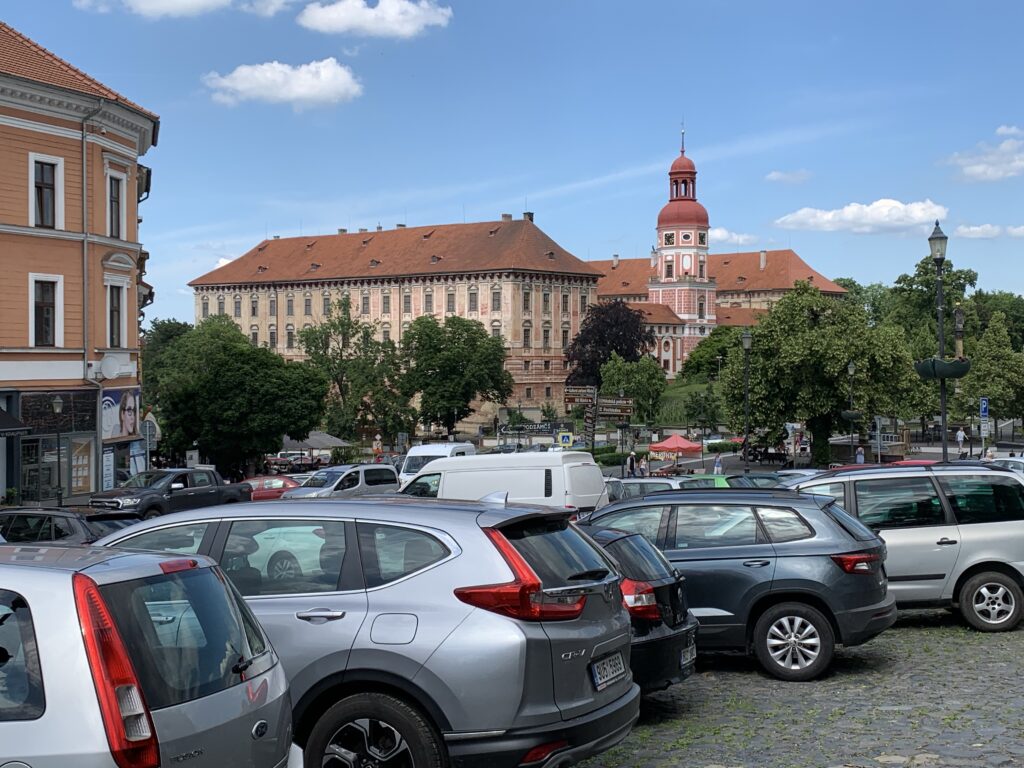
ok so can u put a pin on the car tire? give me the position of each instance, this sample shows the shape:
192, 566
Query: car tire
283, 565
375, 729
150, 513
794, 642
991, 602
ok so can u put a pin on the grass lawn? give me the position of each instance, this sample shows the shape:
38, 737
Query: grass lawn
678, 390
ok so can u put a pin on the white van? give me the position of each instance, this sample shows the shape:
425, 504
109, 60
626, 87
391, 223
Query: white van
421, 455
566, 479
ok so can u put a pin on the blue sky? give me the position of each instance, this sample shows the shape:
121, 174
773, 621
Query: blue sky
801, 117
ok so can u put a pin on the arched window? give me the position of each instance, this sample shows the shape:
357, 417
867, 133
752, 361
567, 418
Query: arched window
273, 337
220, 305
290, 336
254, 335
669, 268
527, 335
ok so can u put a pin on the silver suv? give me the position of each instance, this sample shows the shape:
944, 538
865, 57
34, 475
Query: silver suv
111, 658
955, 534
417, 631
346, 482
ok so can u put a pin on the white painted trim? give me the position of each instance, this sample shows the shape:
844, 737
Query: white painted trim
14, 229
58, 300
71, 133
40, 370
125, 283
40, 351
58, 188
123, 178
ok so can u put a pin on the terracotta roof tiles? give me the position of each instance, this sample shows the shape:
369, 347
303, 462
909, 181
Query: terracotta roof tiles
739, 316
629, 278
656, 314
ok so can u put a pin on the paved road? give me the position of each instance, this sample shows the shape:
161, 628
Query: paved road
929, 692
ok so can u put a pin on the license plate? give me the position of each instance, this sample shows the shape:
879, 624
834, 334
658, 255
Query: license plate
688, 655
607, 670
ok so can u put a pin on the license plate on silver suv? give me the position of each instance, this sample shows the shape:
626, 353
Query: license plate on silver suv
607, 670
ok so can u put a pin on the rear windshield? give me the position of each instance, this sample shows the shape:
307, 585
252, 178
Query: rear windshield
848, 522
21, 680
558, 553
639, 559
188, 633
322, 479
414, 464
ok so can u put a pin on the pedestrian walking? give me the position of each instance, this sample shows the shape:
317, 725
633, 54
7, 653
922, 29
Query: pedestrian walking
960, 437
860, 454
718, 464
631, 464
643, 466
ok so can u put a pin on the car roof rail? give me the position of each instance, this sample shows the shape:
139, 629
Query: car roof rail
782, 493
905, 469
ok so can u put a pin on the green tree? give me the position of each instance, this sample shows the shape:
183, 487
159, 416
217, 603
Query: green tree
707, 358
987, 303
232, 400
997, 372
644, 381
156, 341
913, 301
798, 367
703, 408
365, 374
548, 412
451, 365
608, 327
875, 298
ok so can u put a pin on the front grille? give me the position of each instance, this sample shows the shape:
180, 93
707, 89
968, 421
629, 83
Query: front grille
104, 504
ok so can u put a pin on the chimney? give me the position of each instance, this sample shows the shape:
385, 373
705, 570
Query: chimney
399, 226
277, 237
527, 215
362, 229
615, 261
342, 231
506, 217
764, 259
380, 228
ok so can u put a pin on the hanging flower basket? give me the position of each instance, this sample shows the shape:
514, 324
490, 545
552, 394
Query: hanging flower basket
936, 368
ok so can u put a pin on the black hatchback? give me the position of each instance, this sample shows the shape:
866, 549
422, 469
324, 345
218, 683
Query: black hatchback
663, 651
779, 573
67, 525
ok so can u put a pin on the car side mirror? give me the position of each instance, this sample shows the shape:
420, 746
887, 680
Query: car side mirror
177, 486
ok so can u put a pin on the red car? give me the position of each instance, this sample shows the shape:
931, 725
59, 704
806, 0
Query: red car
270, 486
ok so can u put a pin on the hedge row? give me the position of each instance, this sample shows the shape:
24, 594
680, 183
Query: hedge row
615, 459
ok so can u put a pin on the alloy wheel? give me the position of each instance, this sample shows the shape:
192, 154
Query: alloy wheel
283, 568
993, 603
367, 743
794, 642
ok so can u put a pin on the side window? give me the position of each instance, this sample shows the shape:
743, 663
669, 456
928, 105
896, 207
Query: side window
425, 487
273, 483
27, 528
21, 679
201, 480
701, 526
390, 553
5, 522
784, 525
183, 539
351, 480
61, 528
380, 477
181, 479
284, 557
836, 490
984, 499
905, 502
643, 520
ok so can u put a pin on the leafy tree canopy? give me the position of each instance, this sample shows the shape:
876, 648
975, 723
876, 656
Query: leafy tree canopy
155, 361
608, 327
997, 372
703, 362
644, 381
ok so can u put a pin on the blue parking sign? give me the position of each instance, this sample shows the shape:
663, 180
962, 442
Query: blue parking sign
984, 407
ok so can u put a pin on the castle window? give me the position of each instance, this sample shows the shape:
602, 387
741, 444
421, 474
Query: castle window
670, 238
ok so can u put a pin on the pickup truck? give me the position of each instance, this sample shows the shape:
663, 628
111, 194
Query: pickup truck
161, 491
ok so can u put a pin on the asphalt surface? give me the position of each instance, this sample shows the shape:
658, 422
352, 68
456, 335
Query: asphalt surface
928, 692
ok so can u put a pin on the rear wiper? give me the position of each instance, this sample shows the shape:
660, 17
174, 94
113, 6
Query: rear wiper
595, 574
241, 666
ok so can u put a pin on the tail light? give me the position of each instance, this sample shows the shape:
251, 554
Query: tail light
175, 566
126, 718
521, 598
537, 754
638, 598
859, 562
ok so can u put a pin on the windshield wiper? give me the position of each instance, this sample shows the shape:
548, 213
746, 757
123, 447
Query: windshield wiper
595, 574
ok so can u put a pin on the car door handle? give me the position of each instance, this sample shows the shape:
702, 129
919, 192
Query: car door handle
944, 542
320, 613
757, 563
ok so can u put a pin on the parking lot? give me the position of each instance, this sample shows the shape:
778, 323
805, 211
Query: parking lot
928, 692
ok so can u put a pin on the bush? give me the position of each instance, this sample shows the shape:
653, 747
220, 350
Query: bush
616, 459
604, 450
723, 446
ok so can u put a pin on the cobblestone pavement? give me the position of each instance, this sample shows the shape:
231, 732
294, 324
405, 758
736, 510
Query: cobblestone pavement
928, 693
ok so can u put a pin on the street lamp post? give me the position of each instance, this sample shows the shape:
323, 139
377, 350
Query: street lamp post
851, 369
937, 243
58, 409
747, 340
719, 358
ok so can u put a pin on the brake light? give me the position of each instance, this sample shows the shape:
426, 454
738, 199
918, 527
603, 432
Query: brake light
860, 562
176, 566
126, 717
521, 598
638, 598
537, 754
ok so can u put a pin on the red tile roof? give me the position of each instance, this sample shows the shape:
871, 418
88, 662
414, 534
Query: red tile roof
742, 272
740, 316
444, 249
629, 278
656, 314
25, 58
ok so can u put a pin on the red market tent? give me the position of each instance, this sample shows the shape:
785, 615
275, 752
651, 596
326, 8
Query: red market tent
675, 444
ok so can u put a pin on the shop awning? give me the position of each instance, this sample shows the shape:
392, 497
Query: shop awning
11, 427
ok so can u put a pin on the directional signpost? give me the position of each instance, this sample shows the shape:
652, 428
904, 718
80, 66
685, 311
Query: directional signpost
586, 397
986, 428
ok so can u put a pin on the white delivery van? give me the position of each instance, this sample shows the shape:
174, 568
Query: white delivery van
421, 455
564, 479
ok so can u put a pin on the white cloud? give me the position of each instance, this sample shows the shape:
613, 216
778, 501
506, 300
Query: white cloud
223, 262
388, 18
883, 215
789, 177
723, 235
307, 85
99, 6
265, 7
993, 162
1015, 231
978, 232
155, 9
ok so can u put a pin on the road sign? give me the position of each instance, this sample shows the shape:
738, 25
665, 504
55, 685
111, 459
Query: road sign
565, 439
578, 400
983, 407
623, 402
581, 391
148, 430
614, 411
986, 427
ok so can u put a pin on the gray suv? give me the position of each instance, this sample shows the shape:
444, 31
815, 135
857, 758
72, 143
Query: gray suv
114, 658
780, 573
418, 631
955, 534
346, 481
